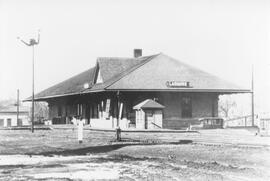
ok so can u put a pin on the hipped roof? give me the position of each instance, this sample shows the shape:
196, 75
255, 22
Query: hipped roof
148, 73
13, 109
157, 72
147, 104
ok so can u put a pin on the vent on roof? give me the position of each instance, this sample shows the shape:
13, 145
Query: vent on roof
137, 53
86, 85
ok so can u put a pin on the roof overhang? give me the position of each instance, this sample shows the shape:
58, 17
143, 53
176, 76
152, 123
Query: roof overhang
60, 95
13, 112
220, 91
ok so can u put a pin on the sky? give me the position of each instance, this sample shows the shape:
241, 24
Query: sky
222, 37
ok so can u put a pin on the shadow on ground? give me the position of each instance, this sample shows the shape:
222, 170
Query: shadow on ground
107, 148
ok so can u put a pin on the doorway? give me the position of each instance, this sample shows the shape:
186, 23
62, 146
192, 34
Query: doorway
19, 122
149, 119
8, 122
186, 107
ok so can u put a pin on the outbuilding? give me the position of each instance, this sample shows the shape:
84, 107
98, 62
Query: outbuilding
8, 116
148, 114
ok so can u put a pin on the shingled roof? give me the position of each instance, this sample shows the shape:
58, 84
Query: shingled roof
110, 67
73, 85
13, 109
147, 104
155, 74
148, 73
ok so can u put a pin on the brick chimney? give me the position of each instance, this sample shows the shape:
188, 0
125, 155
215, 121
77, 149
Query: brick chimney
137, 53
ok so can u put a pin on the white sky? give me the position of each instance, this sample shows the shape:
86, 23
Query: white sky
223, 37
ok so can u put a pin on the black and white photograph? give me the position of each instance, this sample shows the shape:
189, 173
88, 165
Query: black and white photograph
131, 90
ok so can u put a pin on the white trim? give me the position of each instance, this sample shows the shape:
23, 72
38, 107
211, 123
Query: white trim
99, 78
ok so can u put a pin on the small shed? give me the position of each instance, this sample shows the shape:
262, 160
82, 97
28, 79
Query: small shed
149, 114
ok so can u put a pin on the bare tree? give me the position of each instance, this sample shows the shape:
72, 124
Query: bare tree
41, 110
226, 106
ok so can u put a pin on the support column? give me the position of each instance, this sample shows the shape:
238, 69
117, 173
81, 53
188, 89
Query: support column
118, 130
252, 99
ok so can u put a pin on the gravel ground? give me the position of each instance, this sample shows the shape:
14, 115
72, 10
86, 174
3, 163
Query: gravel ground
210, 155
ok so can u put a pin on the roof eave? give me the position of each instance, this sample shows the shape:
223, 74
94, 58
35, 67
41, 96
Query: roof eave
60, 95
188, 90
222, 91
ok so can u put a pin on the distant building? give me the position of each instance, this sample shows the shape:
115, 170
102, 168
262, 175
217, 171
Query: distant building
8, 116
106, 94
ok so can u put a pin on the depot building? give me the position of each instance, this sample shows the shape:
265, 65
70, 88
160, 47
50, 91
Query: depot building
143, 92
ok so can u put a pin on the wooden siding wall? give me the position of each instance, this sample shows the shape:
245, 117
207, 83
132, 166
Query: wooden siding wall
203, 105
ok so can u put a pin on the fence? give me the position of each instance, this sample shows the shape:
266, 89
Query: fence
242, 121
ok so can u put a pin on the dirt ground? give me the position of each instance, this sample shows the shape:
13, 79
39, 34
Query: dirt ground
208, 155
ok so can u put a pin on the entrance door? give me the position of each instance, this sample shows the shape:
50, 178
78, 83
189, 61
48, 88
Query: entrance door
19, 122
186, 107
149, 119
8, 122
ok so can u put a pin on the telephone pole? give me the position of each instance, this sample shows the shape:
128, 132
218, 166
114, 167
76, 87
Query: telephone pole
33, 89
18, 105
252, 97
32, 43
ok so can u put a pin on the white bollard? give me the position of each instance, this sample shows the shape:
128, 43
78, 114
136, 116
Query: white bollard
80, 130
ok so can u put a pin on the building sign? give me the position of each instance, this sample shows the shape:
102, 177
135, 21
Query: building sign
177, 84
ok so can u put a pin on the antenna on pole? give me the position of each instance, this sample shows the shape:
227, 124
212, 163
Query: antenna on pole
32, 43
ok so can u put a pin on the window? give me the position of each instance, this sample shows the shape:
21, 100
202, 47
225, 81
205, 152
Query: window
1, 122
79, 109
107, 108
59, 111
186, 107
95, 110
100, 108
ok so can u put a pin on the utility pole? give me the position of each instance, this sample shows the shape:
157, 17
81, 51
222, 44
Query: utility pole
32, 43
18, 105
119, 113
33, 89
252, 97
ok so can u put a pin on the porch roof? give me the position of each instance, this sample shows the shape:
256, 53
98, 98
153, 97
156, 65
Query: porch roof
71, 86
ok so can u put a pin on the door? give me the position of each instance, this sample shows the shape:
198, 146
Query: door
87, 113
1, 122
8, 122
149, 119
19, 122
186, 107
